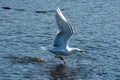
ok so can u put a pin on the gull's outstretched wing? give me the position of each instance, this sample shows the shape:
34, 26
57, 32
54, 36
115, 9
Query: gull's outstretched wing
66, 30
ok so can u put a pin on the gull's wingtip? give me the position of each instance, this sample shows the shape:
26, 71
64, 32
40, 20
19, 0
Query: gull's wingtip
58, 9
60, 14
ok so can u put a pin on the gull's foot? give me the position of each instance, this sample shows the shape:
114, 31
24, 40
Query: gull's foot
65, 62
61, 58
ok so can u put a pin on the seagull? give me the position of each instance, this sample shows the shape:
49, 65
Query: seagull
61, 43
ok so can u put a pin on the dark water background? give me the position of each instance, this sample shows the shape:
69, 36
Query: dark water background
25, 25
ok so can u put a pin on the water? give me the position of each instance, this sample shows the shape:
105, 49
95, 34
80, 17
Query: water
25, 26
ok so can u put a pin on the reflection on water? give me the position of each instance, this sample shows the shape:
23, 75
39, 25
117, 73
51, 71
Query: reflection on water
23, 59
62, 72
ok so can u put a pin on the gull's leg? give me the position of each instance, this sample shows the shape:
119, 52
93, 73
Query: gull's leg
61, 58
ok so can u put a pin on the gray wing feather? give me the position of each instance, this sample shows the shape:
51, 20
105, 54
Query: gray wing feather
65, 30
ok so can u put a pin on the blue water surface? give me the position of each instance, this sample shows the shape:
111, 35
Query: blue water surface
26, 25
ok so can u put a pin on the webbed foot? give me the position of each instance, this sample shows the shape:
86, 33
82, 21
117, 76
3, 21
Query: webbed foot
61, 58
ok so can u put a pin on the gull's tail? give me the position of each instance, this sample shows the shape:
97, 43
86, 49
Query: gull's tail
43, 48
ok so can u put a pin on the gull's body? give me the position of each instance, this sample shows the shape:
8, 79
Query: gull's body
61, 42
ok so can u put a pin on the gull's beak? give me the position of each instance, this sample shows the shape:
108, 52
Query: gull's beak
81, 51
